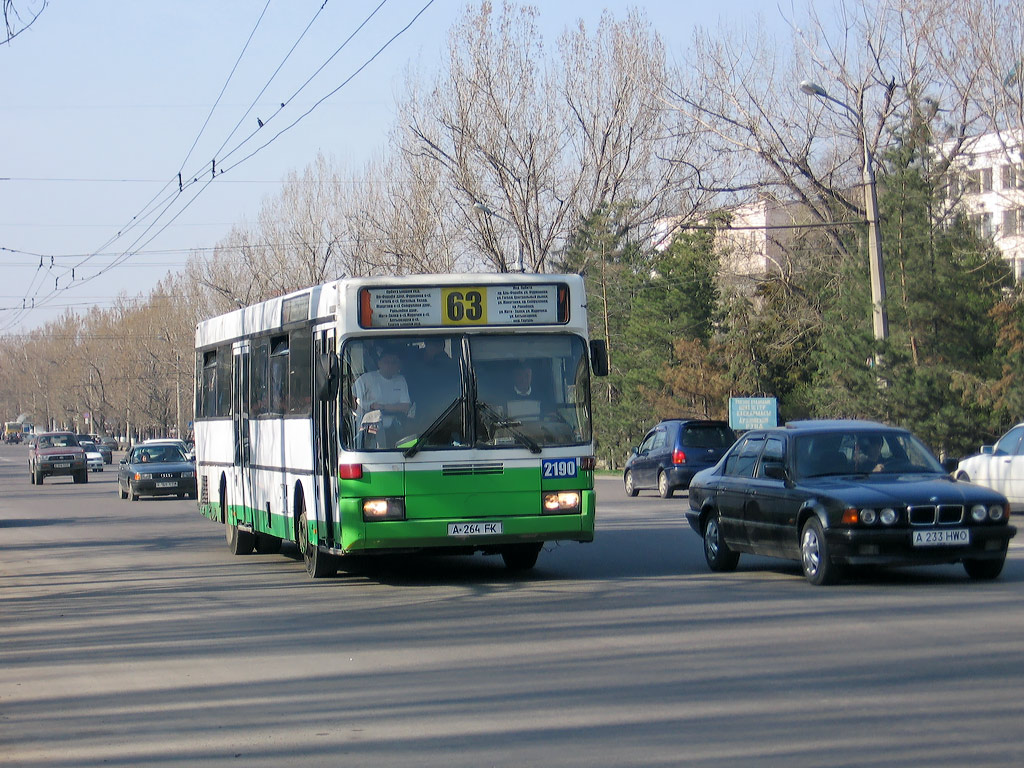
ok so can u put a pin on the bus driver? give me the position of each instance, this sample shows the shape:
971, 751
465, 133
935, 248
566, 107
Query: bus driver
382, 399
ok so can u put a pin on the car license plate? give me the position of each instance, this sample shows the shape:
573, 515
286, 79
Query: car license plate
950, 538
64, 465
474, 529
166, 485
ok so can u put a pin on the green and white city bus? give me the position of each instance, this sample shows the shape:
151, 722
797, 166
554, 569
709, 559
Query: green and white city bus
446, 413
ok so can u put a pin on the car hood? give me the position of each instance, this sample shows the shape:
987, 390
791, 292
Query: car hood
52, 451
886, 489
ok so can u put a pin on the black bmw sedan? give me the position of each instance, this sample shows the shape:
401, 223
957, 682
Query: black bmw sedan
831, 494
156, 470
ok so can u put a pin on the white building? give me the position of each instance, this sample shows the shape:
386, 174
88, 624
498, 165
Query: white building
987, 182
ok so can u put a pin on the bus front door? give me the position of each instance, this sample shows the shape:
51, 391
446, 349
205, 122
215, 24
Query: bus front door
325, 438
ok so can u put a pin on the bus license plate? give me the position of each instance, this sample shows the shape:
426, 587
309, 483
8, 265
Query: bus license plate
474, 529
166, 485
951, 538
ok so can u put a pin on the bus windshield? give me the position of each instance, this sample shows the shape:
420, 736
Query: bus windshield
455, 391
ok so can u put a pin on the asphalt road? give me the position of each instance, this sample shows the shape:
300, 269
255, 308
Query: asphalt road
130, 637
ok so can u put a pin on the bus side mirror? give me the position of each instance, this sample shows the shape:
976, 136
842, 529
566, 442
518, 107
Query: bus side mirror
328, 380
599, 357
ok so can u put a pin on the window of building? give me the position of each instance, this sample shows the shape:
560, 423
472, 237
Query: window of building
977, 181
1013, 222
982, 223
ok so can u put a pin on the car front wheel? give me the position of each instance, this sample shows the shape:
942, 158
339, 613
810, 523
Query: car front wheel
984, 570
815, 557
716, 551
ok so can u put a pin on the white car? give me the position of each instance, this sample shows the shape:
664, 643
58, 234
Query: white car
93, 457
999, 467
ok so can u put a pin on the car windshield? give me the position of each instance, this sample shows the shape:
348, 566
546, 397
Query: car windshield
862, 452
57, 441
465, 391
157, 454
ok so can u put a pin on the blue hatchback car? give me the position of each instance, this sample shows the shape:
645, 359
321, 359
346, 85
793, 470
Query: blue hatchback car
672, 452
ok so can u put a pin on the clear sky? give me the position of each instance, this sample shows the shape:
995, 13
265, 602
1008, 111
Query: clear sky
101, 104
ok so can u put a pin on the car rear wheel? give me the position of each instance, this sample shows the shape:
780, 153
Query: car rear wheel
984, 570
716, 551
815, 557
627, 481
664, 489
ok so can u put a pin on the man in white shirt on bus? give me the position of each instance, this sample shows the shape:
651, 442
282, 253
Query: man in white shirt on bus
382, 398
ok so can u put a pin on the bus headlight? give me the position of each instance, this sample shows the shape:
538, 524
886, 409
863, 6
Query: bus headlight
561, 502
375, 510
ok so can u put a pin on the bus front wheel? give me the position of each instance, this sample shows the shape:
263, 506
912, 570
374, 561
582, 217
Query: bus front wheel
520, 557
239, 542
319, 564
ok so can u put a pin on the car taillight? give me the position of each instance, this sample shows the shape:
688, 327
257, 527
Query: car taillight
678, 456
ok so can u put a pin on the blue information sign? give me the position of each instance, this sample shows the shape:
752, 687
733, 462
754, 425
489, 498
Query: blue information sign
753, 412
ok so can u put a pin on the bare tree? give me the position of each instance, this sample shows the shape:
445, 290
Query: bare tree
530, 145
20, 16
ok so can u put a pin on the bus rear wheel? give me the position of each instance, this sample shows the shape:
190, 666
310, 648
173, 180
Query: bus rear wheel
520, 557
319, 564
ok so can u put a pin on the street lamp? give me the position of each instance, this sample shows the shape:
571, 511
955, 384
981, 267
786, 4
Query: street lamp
518, 266
879, 317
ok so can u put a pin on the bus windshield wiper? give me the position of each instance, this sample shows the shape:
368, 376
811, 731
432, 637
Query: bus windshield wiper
414, 448
510, 425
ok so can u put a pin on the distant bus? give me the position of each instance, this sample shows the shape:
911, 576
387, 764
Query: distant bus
13, 432
442, 413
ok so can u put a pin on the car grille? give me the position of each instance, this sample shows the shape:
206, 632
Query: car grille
62, 457
943, 514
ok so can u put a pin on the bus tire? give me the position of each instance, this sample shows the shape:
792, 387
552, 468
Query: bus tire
319, 564
520, 557
239, 542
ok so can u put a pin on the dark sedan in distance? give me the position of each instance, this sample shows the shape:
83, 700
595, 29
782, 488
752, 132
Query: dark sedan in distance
832, 494
156, 470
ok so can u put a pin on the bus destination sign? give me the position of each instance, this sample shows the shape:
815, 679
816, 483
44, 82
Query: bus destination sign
466, 305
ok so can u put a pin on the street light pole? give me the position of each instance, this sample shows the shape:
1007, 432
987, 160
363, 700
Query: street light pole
519, 266
879, 316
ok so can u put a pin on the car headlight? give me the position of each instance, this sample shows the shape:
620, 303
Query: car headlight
868, 516
188, 474
979, 512
383, 509
887, 516
143, 476
561, 502
996, 512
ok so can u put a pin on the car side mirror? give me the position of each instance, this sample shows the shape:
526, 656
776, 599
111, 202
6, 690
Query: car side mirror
776, 470
950, 465
988, 450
